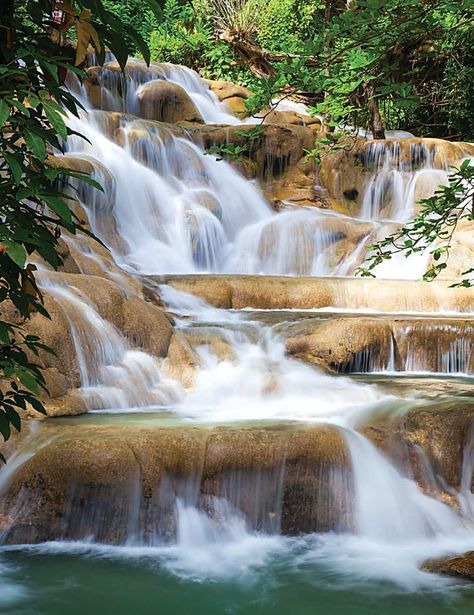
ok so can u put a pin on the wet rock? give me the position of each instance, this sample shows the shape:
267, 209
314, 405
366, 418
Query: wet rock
277, 292
341, 342
237, 106
108, 482
145, 325
277, 149
166, 102
225, 90
443, 434
348, 170
372, 344
183, 360
291, 118
457, 566
461, 252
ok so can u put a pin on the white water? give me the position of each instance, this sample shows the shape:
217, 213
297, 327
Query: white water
120, 91
193, 213
113, 375
391, 192
185, 212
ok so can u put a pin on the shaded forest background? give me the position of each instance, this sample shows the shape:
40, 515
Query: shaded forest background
380, 64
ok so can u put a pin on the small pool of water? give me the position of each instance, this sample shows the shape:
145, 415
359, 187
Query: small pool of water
283, 583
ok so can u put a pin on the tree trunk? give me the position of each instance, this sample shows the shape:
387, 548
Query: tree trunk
376, 123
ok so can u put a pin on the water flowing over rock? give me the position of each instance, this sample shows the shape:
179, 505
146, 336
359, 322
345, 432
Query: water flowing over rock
238, 381
314, 293
123, 484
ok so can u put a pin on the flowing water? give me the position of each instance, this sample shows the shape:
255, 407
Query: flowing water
191, 546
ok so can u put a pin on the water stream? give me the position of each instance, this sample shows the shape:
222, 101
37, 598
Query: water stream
169, 208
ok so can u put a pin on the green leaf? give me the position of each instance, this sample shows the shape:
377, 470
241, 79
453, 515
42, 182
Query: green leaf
4, 333
59, 207
35, 144
4, 112
14, 417
15, 167
16, 252
55, 120
37, 405
27, 380
4, 426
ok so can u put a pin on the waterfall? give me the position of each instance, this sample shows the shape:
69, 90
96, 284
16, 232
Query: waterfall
120, 91
390, 507
391, 191
186, 490
113, 375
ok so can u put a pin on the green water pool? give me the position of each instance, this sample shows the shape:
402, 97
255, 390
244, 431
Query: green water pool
36, 583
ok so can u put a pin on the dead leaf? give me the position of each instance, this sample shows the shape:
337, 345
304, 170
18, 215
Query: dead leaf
86, 33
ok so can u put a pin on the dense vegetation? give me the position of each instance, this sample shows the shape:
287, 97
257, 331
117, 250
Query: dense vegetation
400, 64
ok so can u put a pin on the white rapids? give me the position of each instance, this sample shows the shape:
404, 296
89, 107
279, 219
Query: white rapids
168, 208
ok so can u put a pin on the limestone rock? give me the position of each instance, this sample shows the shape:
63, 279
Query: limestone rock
337, 342
457, 566
309, 292
225, 90
291, 118
346, 172
166, 102
92, 480
461, 252
237, 106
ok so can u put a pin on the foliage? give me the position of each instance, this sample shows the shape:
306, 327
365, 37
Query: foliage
134, 16
410, 62
433, 227
186, 36
34, 197
237, 15
284, 25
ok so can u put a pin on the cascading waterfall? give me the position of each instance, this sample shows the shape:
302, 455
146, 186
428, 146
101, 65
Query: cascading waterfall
391, 191
420, 347
167, 208
120, 90
193, 214
260, 382
196, 214
113, 375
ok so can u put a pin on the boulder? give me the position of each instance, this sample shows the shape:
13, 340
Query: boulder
237, 106
455, 566
225, 90
289, 117
166, 102
443, 432
343, 343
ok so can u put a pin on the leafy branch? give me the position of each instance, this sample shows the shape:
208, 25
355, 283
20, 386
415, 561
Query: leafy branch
35, 197
432, 228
